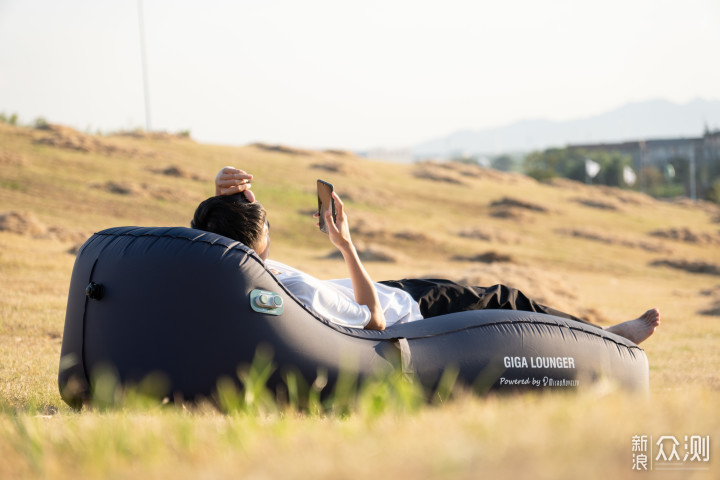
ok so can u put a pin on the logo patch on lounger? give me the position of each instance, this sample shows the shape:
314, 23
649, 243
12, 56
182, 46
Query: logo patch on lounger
263, 301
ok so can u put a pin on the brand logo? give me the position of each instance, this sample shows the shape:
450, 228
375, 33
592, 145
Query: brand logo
537, 363
669, 453
540, 382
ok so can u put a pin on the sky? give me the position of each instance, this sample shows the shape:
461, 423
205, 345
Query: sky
344, 73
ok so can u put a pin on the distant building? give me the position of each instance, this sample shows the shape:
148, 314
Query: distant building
701, 154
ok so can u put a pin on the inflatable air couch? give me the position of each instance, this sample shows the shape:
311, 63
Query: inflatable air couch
194, 306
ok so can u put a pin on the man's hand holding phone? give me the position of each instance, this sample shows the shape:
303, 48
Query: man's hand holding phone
325, 203
331, 216
338, 228
331, 213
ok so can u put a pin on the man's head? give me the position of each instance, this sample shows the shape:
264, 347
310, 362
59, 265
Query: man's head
234, 217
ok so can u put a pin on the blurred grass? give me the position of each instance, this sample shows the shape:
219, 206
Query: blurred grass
546, 436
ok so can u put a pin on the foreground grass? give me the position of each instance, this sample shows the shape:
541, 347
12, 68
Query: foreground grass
538, 436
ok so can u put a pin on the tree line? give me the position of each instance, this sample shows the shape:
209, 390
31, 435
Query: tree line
611, 168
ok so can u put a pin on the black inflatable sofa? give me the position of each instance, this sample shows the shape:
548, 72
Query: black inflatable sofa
193, 306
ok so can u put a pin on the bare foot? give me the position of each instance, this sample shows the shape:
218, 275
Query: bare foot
639, 329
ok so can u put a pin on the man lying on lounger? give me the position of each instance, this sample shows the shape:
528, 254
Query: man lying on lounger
358, 301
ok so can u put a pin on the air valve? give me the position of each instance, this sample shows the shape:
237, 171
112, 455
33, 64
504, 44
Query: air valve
94, 291
263, 301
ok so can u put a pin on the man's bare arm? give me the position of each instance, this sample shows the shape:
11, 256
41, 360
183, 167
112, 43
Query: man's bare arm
365, 293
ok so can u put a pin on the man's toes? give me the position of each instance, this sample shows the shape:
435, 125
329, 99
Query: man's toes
651, 316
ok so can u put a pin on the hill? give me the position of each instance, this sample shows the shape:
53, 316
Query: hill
605, 254
635, 121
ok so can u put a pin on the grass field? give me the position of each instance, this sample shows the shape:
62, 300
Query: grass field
587, 250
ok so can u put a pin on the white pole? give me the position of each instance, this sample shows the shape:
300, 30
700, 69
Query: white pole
146, 87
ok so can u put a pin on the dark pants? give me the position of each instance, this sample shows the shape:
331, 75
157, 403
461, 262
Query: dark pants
440, 297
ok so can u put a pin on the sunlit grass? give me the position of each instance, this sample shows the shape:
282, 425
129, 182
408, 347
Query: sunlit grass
385, 428
553, 436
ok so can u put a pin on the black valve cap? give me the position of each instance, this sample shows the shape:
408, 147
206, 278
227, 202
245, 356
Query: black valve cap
94, 291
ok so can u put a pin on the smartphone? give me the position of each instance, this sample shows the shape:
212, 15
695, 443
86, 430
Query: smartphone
325, 202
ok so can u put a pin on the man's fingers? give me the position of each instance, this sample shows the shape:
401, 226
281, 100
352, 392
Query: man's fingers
329, 221
235, 187
339, 207
231, 182
233, 171
228, 171
235, 178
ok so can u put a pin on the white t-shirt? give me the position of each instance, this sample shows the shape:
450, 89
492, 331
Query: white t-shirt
334, 300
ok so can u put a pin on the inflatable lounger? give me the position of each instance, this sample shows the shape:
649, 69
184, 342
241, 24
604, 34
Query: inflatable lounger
194, 306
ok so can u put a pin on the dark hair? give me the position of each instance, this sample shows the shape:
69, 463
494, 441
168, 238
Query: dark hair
232, 216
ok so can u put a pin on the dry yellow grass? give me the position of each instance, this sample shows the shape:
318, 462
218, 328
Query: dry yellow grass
74, 186
550, 437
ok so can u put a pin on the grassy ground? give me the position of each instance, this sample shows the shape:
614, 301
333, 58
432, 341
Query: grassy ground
586, 250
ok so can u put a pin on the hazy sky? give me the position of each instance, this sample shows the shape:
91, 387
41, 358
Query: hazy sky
349, 74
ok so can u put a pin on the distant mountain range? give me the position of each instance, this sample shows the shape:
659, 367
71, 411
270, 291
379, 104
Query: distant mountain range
634, 121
